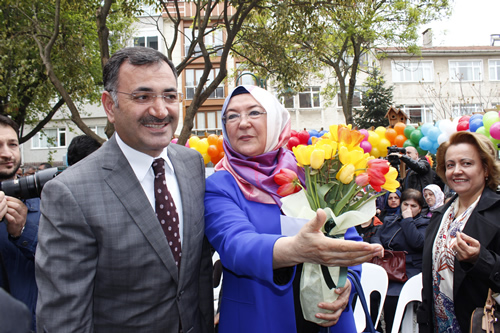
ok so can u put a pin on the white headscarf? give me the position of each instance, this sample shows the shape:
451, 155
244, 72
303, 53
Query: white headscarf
437, 193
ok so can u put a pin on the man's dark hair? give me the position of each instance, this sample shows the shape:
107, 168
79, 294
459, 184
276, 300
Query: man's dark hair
80, 147
137, 56
45, 165
6, 121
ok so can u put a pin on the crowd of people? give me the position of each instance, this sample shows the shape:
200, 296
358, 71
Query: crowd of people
122, 240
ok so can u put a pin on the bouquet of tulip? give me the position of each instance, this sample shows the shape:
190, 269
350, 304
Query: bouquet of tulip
337, 175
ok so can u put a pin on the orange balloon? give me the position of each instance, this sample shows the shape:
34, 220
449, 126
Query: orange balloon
212, 139
212, 151
390, 134
217, 158
219, 143
400, 128
399, 140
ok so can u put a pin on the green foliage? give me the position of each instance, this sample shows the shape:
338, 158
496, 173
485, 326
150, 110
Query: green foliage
26, 93
294, 41
376, 101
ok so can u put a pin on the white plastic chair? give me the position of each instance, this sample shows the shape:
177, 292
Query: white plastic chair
373, 278
411, 292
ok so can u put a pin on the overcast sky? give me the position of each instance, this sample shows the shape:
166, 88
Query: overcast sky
471, 23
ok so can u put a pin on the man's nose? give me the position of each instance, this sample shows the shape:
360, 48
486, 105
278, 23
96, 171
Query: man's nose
159, 108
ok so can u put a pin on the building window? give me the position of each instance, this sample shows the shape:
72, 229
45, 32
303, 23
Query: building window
192, 78
50, 138
149, 41
309, 98
494, 66
288, 101
417, 113
207, 122
466, 109
412, 71
99, 130
465, 70
356, 99
214, 40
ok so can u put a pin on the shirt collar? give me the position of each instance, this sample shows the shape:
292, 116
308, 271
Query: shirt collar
141, 162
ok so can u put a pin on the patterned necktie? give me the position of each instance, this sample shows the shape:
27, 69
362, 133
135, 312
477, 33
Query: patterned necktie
166, 210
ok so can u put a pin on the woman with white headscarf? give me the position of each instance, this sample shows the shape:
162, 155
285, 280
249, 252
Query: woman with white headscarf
242, 222
434, 198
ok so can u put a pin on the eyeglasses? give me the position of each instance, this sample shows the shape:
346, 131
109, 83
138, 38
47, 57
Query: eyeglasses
235, 117
148, 97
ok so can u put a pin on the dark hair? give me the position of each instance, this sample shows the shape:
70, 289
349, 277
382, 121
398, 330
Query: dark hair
137, 56
6, 121
416, 195
80, 147
485, 149
46, 165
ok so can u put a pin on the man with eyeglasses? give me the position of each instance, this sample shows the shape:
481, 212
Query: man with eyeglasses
114, 255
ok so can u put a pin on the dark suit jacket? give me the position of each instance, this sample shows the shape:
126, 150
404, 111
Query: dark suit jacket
15, 317
103, 263
470, 282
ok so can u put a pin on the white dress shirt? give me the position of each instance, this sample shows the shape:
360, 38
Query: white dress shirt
142, 165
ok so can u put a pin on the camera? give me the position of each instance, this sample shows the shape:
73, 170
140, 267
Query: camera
30, 186
394, 160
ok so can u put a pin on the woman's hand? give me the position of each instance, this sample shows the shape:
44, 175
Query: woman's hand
336, 307
406, 213
310, 245
467, 248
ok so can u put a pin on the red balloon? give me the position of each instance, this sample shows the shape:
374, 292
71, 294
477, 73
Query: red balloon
303, 137
294, 141
463, 125
293, 133
463, 118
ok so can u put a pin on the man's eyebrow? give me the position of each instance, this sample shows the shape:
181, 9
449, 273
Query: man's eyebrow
149, 89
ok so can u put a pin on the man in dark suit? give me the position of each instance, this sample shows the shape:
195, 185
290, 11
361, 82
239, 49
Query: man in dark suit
104, 262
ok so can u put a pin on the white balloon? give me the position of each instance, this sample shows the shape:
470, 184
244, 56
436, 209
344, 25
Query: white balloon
443, 137
446, 127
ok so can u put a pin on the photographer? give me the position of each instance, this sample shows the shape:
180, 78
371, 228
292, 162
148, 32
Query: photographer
419, 172
19, 230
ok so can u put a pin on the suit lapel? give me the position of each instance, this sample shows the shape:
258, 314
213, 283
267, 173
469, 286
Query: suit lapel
183, 172
123, 182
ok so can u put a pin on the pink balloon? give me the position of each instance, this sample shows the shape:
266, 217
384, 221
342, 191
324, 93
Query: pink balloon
187, 144
365, 133
367, 147
495, 130
174, 140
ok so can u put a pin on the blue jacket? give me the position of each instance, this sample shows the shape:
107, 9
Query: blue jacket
255, 298
18, 256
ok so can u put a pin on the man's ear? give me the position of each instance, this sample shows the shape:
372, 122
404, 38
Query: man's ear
109, 106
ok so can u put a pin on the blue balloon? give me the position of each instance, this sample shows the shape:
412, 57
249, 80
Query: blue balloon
433, 134
425, 143
313, 132
309, 142
476, 116
323, 132
425, 128
474, 124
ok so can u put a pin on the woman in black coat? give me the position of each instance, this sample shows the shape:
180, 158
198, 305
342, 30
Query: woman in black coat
462, 246
405, 233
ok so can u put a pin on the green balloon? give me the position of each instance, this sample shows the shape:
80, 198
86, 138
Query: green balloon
408, 143
421, 152
489, 119
481, 130
415, 137
408, 130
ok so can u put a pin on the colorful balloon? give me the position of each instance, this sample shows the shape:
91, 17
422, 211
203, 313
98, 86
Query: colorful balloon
367, 147
495, 131
433, 134
373, 138
463, 125
380, 131
415, 137
475, 123
365, 133
425, 143
400, 140
489, 119
400, 128
408, 130
390, 134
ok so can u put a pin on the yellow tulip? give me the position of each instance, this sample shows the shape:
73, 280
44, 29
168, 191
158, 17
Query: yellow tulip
334, 132
391, 184
329, 146
303, 154
317, 158
346, 173
352, 157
